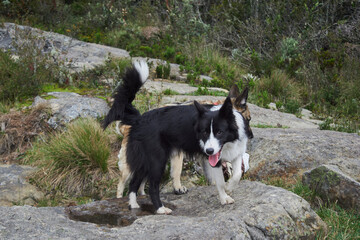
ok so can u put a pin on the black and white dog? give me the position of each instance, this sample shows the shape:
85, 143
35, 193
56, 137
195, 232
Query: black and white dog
157, 134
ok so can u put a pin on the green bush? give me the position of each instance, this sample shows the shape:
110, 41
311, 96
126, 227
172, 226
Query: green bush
163, 71
290, 56
74, 162
17, 81
165, 92
159, 71
292, 106
169, 53
166, 70
278, 87
25, 70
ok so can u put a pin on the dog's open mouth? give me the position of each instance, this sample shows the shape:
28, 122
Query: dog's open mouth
214, 159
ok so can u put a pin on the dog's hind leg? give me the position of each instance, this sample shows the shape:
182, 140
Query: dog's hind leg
217, 173
142, 187
155, 197
125, 172
177, 158
121, 185
154, 178
133, 189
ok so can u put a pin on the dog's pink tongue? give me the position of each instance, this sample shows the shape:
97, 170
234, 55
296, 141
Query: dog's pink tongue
213, 159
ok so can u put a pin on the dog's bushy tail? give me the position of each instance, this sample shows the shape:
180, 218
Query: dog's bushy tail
122, 108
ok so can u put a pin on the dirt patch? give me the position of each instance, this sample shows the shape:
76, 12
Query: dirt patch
19, 129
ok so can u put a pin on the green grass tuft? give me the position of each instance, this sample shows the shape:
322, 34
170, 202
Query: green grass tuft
74, 162
170, 92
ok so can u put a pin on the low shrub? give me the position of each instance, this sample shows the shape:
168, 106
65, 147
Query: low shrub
25, 70
279, 88
205, 91
19, 79
205, 59
163, 71
168, 92
19, 129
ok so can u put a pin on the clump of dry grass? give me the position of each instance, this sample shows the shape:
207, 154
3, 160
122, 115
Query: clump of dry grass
280, 86
75, 162
19, 129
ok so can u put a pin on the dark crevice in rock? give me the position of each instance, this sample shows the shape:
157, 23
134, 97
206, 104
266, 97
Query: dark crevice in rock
295, 219
112, 212
256, 233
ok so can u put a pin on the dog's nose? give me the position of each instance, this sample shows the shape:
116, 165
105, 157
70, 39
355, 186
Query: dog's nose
210, 151
251, 135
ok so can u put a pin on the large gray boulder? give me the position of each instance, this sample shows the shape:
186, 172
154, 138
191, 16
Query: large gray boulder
14, 189
78, 55
334, 186
259, 212
67, 106
290, 152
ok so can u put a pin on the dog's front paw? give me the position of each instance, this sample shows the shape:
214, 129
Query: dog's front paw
163, 210
134, 205
227, 200
229, 188
181, 190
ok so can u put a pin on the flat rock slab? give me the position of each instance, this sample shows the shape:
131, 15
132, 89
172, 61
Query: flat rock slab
67, 106
259, 115
188, 99
80, 55
287, 152
334, 186
275, 118
259, 212
14, 189
180, 88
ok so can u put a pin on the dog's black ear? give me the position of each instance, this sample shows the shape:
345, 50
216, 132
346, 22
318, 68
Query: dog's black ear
242, 99
227, 109
234, 91
200, 108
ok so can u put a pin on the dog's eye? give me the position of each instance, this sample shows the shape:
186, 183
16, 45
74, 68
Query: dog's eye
219, 133
204, 133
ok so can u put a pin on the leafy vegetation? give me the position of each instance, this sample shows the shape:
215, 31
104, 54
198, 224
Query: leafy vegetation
300, 52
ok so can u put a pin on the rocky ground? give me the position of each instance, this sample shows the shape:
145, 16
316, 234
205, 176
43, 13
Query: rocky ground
293, 146
260, 212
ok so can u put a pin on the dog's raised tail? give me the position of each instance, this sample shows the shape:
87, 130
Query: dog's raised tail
122, 108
